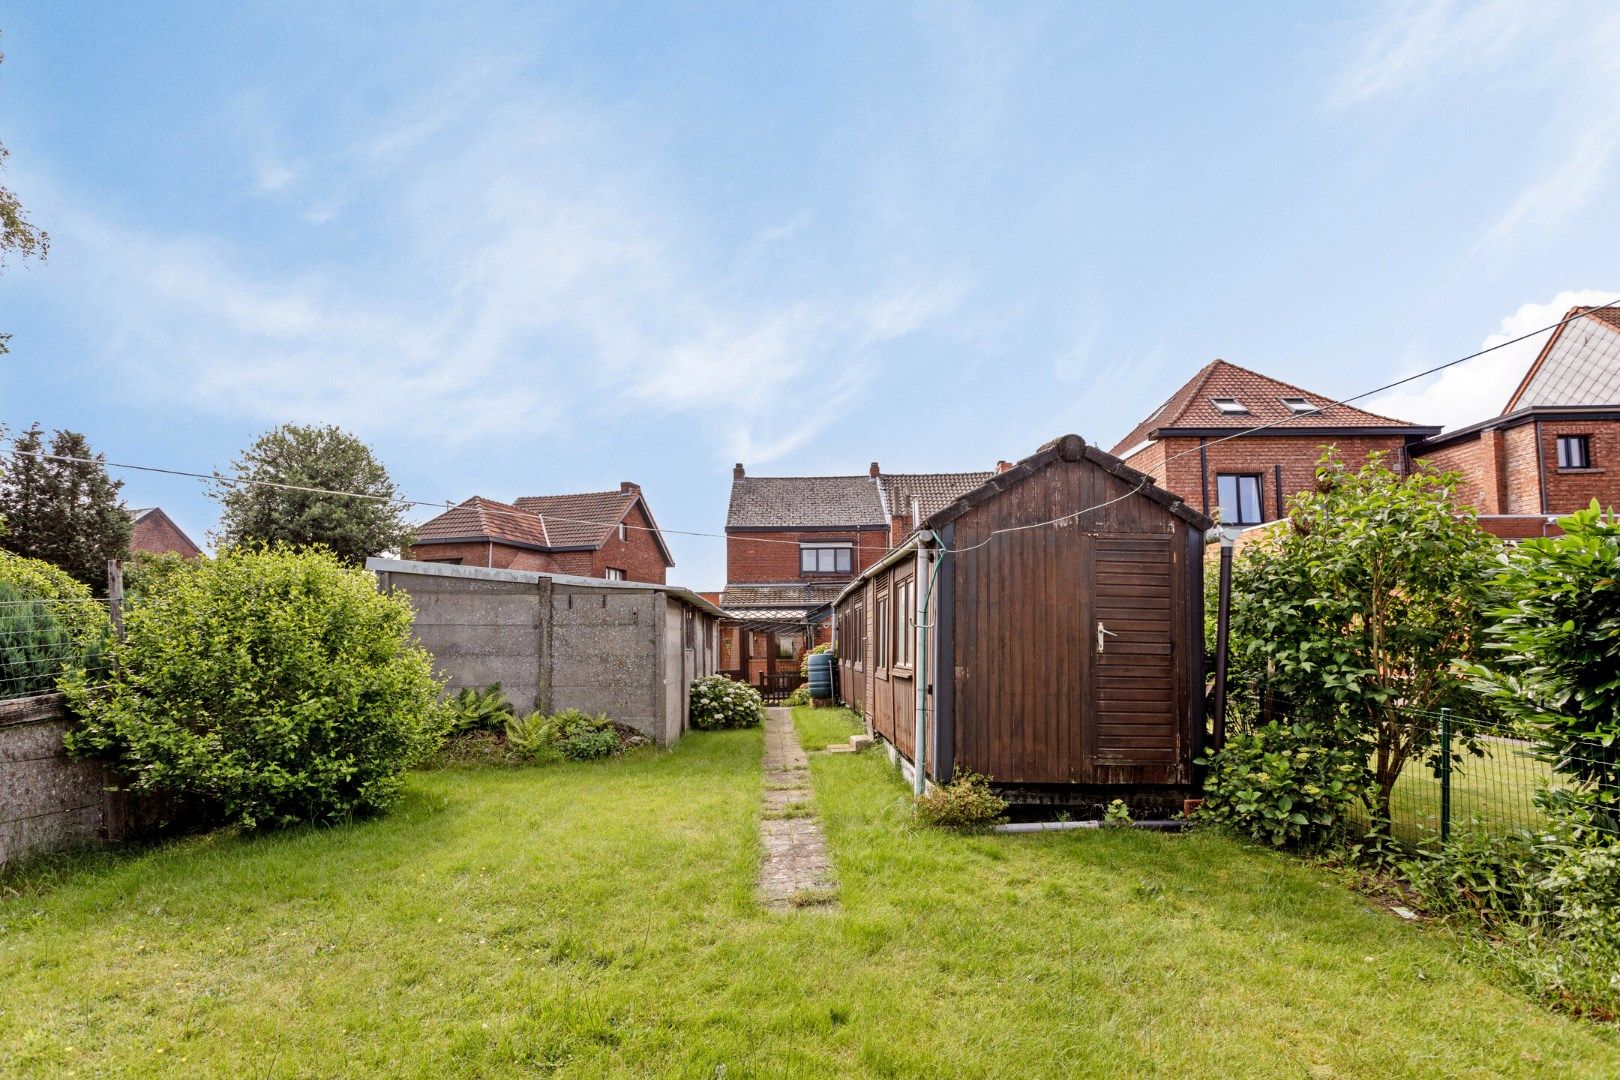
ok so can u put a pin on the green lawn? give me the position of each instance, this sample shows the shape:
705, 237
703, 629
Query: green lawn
598, 920
820, 728
1492, 792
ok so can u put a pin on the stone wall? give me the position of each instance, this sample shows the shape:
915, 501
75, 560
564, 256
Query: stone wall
48, 801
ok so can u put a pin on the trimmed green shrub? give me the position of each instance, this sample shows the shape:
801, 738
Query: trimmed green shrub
34, 646
263, 688
966, 804
719, 702
476, 710
1286, 784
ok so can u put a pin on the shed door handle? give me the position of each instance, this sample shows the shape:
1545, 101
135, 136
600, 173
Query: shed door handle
1102, 632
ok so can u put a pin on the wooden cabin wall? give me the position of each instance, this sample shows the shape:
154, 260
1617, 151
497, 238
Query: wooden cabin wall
1032, 701
882, 688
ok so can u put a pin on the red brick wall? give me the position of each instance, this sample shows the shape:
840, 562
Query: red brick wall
479, 553
637, 555
1175, 464
1573, 489
1478, 459
155, 534
763, 557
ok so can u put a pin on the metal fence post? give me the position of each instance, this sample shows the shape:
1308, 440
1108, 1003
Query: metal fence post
1445, 775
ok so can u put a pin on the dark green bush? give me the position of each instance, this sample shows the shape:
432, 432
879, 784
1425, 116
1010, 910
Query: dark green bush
263, 688
1286, 784
966, 804
582, 737
719, 702
34, 645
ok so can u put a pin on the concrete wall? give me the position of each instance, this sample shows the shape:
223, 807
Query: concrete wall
49, 801
556, 642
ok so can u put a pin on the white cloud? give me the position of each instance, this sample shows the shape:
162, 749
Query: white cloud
1480, 388
531, 271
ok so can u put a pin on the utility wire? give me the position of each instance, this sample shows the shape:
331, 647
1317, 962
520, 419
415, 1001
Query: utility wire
527, 516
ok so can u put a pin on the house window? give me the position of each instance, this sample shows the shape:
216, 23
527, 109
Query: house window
1230, 406
624, 531
789, 645
614, 574
825, 558
1239, 497
1300, 406
1574, 451
904, 644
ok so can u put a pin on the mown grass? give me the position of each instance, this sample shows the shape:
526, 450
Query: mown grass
821, 728
1493, 792
599, 920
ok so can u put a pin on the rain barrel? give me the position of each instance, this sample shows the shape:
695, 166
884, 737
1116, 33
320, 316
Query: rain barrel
821, 675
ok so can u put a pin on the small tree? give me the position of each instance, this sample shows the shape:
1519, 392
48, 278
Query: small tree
1357, 610
63, 508
1555, 649
367, 520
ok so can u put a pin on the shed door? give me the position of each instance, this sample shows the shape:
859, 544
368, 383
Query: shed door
1133, 675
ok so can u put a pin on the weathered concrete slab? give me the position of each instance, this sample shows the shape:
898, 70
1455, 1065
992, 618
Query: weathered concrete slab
797, 871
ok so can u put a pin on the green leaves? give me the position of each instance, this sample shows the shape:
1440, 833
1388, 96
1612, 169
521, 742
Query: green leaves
1282, 785
265, 687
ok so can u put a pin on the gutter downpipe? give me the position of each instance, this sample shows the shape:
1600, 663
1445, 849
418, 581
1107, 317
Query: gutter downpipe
919, 668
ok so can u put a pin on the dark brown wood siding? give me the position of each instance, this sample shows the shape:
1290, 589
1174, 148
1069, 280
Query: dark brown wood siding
1035, 701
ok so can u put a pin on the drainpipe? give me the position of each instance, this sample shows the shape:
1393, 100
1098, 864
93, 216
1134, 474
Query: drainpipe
919, 663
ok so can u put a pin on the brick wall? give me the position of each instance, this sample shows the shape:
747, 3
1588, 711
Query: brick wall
155, 534
764, 557
1572, 489
499, 556
637, 555
1176, 465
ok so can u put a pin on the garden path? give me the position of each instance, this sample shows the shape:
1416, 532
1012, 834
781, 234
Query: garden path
797, 872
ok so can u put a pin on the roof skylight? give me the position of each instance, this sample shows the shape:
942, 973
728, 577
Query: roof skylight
1229, 406
1300, 406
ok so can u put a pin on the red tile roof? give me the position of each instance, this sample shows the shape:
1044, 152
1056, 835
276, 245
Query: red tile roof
1193, 407
552, 522
486, 519
583, 520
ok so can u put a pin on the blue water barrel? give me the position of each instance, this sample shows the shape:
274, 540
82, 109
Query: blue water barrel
821, 675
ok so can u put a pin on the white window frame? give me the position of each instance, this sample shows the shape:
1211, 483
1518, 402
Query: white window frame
624, 532
613, 573
1229, 406
832, 550
1300, 406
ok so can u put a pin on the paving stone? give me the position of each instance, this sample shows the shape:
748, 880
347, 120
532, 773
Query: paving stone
797, 871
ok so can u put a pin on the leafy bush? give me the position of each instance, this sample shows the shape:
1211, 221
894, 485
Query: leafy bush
264, 688
796, 697
1116, 815
1555, 641
966, 804
34, 646
582, 737
719, 702
1285, 784
476, 710
76, 610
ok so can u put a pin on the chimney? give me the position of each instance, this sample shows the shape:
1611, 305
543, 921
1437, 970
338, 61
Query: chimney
1003, 466
874, 470
627, 487
737, 471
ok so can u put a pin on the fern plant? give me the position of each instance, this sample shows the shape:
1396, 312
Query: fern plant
477, 710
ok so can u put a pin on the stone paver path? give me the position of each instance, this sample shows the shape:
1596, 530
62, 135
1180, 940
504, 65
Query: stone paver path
797, 872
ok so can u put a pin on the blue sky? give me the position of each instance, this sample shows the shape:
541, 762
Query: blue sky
524, 249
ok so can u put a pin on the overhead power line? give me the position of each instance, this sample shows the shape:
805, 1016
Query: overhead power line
242, 481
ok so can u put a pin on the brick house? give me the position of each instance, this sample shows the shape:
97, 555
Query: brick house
1556, 445
794, 542
596, 534
155, 533
1188, 443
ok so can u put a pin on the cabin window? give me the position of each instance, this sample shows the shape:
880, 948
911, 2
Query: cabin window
1239, 496
1229, 406
857, 634
904, 600
825, 558
1574, 452
881, 658
614, 574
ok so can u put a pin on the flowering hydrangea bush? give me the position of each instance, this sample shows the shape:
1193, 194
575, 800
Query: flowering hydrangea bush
719, 702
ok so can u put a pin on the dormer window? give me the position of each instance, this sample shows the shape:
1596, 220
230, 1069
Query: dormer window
1300, 406
1230, 406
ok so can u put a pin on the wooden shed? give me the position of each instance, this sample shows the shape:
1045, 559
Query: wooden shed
1065, 597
